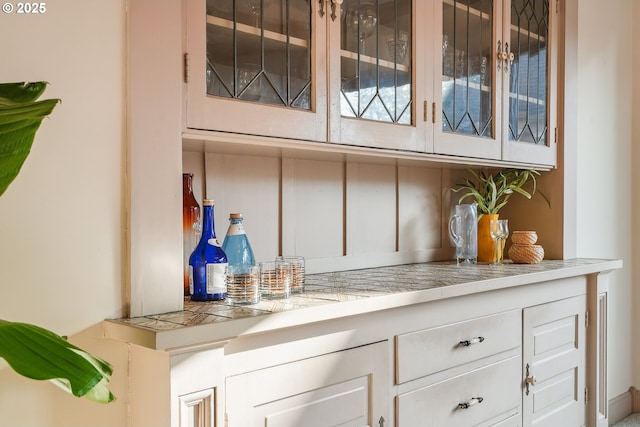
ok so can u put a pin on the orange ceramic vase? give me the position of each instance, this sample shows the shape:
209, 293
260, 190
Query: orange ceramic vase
486, 252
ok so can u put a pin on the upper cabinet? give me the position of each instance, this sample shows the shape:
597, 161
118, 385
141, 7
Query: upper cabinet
338, 71
497, 92
468, 78
255, 67
377, 74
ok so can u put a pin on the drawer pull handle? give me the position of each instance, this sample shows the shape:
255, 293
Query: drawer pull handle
470, 403
467, 343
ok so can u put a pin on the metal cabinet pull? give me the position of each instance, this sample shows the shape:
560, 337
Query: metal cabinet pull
470, 403
530, 380
467, 343
381, 422
334, 4
321, 11
499, 55
507, 58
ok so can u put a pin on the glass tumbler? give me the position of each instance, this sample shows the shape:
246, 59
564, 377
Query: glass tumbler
243, 284
275, 280
297, 272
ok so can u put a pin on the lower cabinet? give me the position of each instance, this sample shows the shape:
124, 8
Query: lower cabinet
347, 388
554, 360
515, 357
520, 367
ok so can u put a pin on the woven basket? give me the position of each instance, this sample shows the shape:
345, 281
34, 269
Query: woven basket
524, 237
526, 254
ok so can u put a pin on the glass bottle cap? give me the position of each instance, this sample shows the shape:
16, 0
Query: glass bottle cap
207, 202
235, 215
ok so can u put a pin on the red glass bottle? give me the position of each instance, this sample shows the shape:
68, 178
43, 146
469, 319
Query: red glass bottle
190, 225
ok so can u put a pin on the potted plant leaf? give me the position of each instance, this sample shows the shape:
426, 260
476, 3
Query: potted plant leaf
30, 350
491, 192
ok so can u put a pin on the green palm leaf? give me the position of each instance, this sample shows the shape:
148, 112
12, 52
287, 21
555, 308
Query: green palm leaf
20, 117
40, 354
30, 350
492, 191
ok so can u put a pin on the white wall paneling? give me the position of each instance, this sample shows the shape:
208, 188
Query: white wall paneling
371, 209
313, 208
338, 214
250, 185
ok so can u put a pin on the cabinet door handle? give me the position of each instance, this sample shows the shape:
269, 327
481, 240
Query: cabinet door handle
507, 58
467, 343
321, 11
530, 380
334, 4
499, 55
470, 403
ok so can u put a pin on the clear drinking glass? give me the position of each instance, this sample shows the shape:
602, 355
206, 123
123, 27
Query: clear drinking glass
499, 230
297, 272
243, 284
275, 280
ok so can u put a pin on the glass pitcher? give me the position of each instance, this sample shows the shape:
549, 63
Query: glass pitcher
463, 230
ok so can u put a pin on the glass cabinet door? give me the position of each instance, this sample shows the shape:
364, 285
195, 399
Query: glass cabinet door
373, 83
259, 51
497, 95
469, 122
248, 56
527, 60
376, 83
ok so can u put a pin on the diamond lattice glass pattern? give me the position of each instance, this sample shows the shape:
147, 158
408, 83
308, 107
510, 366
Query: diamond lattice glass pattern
467, 78
528, 78
376, 60
259, 51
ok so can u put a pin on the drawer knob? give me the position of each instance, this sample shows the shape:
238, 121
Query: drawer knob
467, 343
531, 380
470, 403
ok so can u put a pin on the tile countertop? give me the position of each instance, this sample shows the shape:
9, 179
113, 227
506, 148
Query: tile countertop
339, 294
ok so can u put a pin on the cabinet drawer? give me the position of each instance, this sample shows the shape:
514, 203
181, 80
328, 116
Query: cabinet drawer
433, 350
495, 388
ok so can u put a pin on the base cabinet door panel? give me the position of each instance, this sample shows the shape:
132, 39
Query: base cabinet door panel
347, 388
553, 361
488, 396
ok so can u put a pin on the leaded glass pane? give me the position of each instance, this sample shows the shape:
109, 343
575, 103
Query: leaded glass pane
259, 51
376, 37
528, 71
467, 74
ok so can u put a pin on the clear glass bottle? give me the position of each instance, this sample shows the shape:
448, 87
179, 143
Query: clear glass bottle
236, 243
190, 225
208, 262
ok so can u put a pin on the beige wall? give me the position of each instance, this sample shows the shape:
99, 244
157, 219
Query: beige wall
635, 193
604, 185
62, 219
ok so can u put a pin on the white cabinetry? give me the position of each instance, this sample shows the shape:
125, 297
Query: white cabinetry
520, 366
498, 90
554, 363
469, 79
514, 355
465, 373
256, 71
344, 388
488, 395
315, 71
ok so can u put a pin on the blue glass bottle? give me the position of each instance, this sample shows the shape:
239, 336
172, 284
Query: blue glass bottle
236, 244
208, 262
